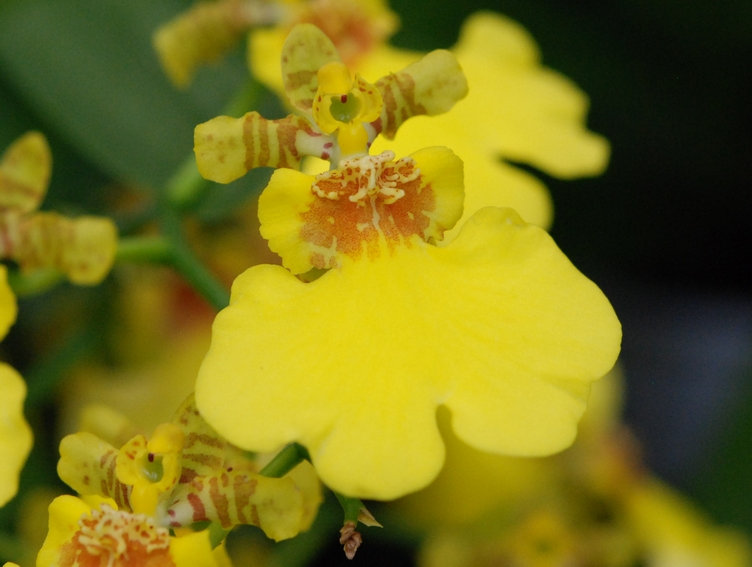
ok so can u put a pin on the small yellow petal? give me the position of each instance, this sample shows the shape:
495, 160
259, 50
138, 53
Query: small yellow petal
227, 148
25, 172
83, 248
431, 85
305, 51
65, 512
279, 506
310, 222
87, 465
334, 77
15, 433
287, 196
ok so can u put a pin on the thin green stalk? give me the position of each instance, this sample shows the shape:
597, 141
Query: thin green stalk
188, 265
143, 249
351, 507
286, 460
34, 283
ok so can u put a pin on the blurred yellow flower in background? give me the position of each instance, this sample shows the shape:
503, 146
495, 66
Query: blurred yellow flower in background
593, 504
15, 433
83, 248
208, 30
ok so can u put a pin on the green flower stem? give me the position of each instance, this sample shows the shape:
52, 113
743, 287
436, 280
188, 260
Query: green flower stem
188, 265
286, 460
35, 282
186, 186
143, 249
350, 506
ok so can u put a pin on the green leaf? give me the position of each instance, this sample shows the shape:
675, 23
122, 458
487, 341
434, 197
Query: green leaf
87, 70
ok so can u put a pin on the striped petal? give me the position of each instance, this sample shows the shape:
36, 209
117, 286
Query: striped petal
227, 148
24, 173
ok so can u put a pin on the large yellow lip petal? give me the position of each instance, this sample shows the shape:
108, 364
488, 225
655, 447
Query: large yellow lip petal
498, 326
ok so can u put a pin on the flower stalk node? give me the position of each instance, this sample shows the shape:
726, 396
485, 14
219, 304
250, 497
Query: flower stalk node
350, 539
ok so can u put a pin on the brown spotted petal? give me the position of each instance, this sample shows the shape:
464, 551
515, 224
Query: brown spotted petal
24, 173
305, 51
204, 452
220, 483
431, 85
230, 498
83, 248
227, 148
87, 465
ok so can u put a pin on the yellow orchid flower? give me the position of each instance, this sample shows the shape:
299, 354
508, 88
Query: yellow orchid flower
15, 433
83, 248
93, 531
185, 473
341, 114
496, 325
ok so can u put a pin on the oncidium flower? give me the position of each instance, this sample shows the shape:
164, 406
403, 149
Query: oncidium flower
15, 433
93, 531
341, 114
83, 248
208, 30
184, 474
496, 325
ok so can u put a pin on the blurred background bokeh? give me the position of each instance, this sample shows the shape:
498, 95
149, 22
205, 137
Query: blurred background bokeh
665, 231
